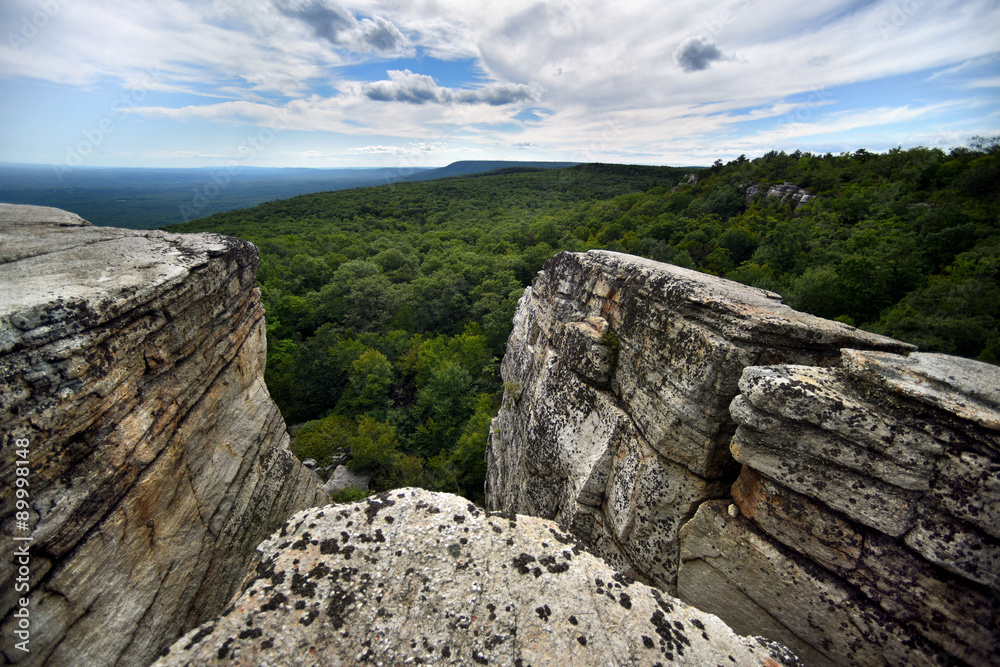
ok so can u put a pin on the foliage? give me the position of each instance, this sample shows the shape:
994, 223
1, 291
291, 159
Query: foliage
351, 494
389, 307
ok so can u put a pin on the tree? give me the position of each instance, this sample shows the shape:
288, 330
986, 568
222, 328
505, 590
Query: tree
370, 378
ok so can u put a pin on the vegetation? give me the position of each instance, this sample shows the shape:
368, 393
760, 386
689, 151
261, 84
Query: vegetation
389, 307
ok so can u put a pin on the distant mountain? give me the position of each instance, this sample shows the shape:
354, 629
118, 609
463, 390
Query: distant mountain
148, 198
471, 167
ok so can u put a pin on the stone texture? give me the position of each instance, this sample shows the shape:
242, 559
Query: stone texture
619, 374
789, 190
884, 472
413, 577
133, 363
784, 191
343, 477
728, 567
864, 525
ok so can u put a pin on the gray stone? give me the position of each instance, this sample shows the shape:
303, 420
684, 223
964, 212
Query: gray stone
947, 610
967, 388
344, 477
885, 473
619, 373
410, 577
729, 568
798, 522
864, 525
133, 364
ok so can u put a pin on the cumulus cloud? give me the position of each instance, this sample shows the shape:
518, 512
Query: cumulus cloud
327, 20
697, 53
381, 34
405, 86
339, 27
617, 79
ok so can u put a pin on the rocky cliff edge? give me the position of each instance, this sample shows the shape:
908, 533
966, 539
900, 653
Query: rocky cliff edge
804, 480
131, 392
411, 577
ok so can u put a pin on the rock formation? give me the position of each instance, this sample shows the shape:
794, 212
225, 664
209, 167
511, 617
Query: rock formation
869, 512
784, 191
131, 364
343, 478
802, 479
414, 577
619, 376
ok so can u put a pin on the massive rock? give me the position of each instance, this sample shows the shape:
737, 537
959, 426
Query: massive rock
413, 577
878, 484
619, 374
131, 368
815, 484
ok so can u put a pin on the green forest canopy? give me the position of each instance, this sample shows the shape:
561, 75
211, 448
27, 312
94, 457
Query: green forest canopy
388, 308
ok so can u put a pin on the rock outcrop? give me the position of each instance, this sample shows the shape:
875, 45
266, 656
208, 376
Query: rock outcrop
343, 478
803, 480
784, 191
619, 375
869, 512
413, 577
131, 380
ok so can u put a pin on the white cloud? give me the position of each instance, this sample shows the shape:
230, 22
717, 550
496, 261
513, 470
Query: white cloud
310, 155
615, 79
405, 86
420, 148
186, 155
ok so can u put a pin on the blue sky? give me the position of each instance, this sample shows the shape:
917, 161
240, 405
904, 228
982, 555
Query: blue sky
320, 83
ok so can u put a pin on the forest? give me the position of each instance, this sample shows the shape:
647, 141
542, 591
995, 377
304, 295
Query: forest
388, 308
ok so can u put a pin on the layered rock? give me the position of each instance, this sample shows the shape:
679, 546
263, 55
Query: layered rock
413, 577
619, 374
132, 364
826, 488
870, 512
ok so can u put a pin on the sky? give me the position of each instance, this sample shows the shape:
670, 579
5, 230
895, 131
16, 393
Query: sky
423, 83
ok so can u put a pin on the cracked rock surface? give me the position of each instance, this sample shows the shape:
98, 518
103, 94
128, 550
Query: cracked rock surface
619, 373
132, 362
832, 490
414, 577
869, 512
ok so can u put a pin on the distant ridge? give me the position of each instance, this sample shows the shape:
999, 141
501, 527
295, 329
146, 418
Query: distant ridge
471, 167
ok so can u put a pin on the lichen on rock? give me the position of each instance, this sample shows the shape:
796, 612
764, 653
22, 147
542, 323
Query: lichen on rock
132, 362
621, 447
414, 577
827, 488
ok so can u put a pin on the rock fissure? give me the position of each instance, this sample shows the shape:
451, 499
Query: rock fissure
811, 483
